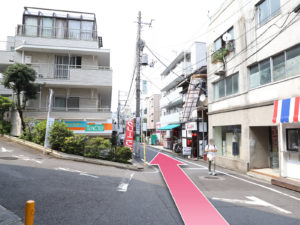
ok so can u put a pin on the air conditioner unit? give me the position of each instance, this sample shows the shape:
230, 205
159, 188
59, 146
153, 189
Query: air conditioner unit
27, 59
220, 71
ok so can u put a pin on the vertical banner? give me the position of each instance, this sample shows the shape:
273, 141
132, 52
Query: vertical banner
129, 135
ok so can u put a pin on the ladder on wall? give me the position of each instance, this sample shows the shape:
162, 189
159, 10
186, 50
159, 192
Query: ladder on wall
194, 90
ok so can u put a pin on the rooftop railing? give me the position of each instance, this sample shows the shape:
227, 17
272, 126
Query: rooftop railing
56, 32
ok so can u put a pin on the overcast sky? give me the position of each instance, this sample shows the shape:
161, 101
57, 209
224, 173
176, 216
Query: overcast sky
176, 25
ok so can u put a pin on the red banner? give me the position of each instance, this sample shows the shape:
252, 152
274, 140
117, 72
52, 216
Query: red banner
129, 135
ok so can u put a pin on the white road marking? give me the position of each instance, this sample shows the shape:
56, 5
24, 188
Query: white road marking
76, 171
123, 186
242, 179
25, 158
253, 201
5, 150
193, 168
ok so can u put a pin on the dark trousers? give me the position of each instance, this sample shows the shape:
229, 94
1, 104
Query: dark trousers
209, 165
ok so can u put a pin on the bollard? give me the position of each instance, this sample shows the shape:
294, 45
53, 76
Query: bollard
29, 212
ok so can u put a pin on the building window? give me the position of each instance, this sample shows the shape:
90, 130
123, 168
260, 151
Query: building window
293, 61
31, 26
73, 103
260, 74
220, 43
278, 67
46, 26
75, 62
285, 64
293, 139
267, 9
60, 103
74, 29
227, 86
228, 140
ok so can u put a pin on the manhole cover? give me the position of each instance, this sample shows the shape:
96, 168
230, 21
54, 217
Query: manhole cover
9, 158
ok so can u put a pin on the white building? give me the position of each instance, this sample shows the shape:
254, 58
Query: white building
261, 64
65, 50
185, 63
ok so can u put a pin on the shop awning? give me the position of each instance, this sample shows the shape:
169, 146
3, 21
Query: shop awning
287, 110
169, 127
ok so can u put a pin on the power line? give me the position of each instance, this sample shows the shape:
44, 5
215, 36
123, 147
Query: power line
246, 48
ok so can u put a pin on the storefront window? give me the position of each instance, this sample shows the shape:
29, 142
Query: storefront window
293, 139
228, 140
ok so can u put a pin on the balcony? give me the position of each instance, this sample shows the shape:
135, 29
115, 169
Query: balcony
69, 75
170, 118
171, 99
68, 113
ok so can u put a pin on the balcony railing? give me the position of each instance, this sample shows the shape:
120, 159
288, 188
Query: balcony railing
63, 71
68, 109
56, 32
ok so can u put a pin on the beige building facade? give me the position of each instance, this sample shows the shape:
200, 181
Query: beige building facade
260, 64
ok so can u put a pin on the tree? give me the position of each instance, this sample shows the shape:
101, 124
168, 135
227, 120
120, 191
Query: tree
20, 78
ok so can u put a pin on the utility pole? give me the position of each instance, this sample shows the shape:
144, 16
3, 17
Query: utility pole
138, 86
140, 44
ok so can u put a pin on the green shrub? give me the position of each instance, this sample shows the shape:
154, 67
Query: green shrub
74, 144
27, 133
120, 154
95, 147
58, 133
39, 132
5, 127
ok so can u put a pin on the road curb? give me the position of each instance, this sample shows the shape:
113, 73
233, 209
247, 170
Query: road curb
65, 156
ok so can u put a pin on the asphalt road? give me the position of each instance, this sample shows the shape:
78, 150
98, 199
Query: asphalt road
68, 192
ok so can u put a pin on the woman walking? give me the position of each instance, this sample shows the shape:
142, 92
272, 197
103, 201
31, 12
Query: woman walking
211, 155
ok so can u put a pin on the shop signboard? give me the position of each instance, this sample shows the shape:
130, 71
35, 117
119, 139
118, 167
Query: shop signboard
129, 135
157, 126
191, 126
203, 126
186, 150
90, 127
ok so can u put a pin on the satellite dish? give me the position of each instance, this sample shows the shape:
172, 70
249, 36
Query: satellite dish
202, 98
226, 37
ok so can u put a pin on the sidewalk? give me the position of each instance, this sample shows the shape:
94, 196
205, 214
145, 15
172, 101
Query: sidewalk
9, 218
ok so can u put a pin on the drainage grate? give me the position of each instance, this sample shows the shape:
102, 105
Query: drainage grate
8, 158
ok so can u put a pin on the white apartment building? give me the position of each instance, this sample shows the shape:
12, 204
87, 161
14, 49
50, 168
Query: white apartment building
261, 64
66, 52
153, 112
185, 63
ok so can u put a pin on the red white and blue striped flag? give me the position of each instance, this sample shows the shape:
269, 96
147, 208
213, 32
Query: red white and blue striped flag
287, 110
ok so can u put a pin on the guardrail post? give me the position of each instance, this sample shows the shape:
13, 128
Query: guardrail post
29, 212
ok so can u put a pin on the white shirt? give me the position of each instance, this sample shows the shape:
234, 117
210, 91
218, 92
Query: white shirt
209, 148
